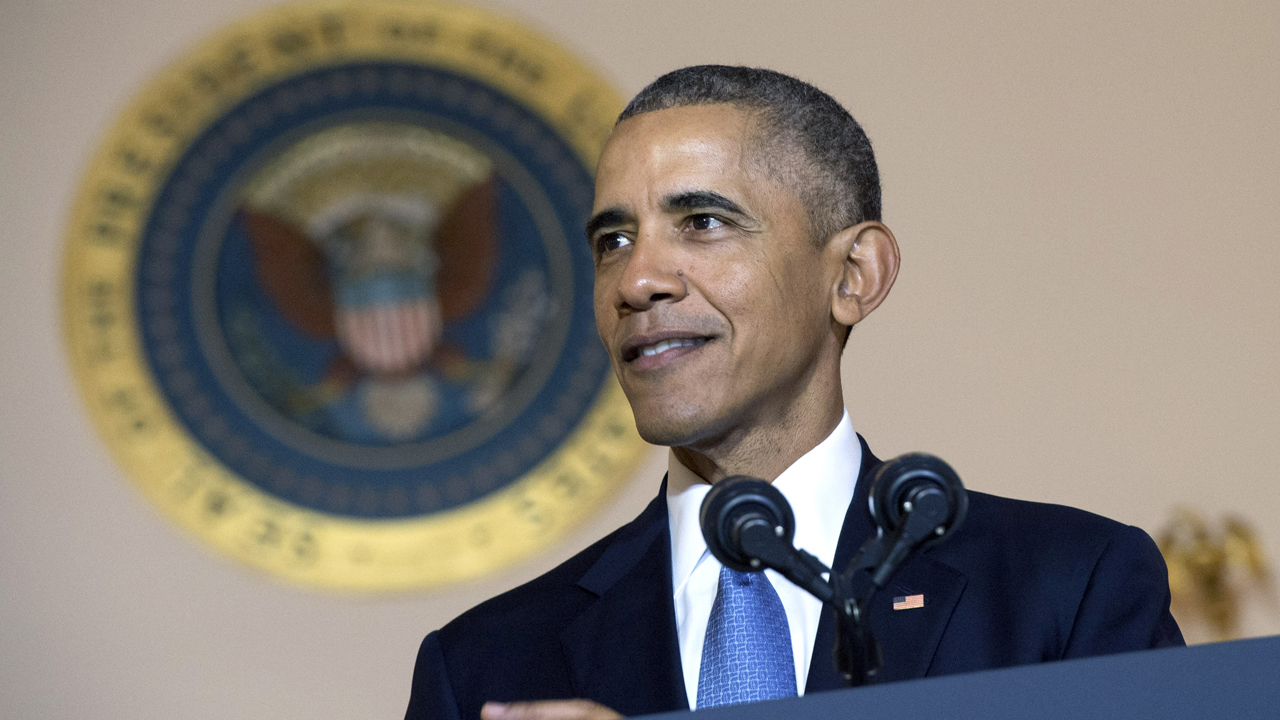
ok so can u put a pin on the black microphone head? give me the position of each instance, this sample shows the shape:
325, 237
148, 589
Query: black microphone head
922, 482
735, 502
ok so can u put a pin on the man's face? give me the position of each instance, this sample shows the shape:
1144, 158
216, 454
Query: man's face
710, 295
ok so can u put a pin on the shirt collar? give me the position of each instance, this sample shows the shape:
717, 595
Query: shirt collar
819, 486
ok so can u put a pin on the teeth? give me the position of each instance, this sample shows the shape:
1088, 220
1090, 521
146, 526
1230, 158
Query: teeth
666, 345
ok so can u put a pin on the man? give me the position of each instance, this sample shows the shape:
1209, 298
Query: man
737, 238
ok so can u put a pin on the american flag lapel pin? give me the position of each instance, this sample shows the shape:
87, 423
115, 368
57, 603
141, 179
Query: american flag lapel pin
908, 602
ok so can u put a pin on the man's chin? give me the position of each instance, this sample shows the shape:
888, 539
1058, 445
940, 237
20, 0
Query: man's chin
672, 430
660, 436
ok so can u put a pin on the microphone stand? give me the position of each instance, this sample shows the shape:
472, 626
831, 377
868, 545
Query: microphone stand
857, 654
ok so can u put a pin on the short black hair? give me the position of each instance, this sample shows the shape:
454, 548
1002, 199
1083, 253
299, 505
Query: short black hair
837, 179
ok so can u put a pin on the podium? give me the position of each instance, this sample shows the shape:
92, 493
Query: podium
1237, 680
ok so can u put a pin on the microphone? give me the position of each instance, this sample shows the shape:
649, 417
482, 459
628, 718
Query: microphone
749, 526
916, 501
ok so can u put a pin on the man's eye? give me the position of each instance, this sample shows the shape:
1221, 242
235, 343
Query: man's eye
705, 222
610, 242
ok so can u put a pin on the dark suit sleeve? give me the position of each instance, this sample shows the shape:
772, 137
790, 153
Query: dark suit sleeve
432, 696
1125, 605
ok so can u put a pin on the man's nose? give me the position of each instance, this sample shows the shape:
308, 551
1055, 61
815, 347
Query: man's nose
652, 275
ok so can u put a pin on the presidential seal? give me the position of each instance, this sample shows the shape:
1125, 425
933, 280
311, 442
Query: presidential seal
328, 300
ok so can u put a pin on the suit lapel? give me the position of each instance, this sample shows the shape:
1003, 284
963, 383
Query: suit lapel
623, 650
908, 638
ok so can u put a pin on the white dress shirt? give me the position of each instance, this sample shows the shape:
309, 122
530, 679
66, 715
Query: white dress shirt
819, 487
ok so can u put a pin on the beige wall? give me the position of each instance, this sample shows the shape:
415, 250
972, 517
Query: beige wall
1086, 198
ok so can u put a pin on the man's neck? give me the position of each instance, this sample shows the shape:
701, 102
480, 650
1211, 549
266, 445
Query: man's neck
761, 452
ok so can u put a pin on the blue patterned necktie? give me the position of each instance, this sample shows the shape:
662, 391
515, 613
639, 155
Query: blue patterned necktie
746, 656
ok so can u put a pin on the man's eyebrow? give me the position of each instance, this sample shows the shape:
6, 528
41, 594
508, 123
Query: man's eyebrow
700, 200
607, 218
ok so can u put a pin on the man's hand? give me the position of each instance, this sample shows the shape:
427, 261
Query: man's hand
547, 710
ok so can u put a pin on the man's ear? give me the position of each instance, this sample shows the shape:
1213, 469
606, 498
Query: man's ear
868, 259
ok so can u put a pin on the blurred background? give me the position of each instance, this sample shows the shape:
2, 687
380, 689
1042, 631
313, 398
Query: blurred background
1086, 200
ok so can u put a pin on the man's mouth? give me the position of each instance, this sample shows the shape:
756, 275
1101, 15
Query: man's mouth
639, 349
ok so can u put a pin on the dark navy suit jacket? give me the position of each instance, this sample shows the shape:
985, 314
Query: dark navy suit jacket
1019, 583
